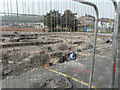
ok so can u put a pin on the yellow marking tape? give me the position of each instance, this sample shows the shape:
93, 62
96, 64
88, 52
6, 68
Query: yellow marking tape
86, 84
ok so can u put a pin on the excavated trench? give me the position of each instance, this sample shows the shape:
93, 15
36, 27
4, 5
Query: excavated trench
16, 62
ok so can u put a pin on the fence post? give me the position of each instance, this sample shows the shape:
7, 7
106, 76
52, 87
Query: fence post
1, 53
114, 46
119, 46
95, 36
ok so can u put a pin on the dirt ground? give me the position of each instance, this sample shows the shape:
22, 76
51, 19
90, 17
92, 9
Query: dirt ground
32, 72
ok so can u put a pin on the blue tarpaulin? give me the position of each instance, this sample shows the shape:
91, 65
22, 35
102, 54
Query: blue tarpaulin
85, 29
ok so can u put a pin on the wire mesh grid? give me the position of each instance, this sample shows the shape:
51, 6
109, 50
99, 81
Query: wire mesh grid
38, 38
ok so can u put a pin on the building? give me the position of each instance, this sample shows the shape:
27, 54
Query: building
39, 25
86, 21
106, 23
61, 29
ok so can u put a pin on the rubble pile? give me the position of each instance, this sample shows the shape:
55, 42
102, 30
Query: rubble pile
78, 42
13, 56
85, 46
16, 63
51, 82
64, 47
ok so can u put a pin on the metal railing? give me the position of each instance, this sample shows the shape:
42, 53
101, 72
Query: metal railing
57, 36
95, 36
114, 48
119, 48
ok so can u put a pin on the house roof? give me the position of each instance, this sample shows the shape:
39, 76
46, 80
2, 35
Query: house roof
86, 16
106, 20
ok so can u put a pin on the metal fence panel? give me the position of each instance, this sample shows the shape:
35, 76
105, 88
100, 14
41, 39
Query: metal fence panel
119, 48
38, 37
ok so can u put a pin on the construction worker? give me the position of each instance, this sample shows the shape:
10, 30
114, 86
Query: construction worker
106, 40
72, 55
63, 58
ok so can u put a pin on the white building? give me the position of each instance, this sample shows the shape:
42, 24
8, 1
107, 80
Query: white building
86, 20
105, 23
39, 25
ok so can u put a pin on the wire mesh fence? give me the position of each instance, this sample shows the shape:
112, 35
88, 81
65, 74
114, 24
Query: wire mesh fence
51, 44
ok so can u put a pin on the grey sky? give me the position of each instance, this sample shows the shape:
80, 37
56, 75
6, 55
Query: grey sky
41, 7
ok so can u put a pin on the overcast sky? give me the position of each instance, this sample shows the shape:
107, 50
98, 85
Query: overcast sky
41, 7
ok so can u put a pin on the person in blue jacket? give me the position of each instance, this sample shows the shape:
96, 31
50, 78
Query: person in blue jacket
72, 55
